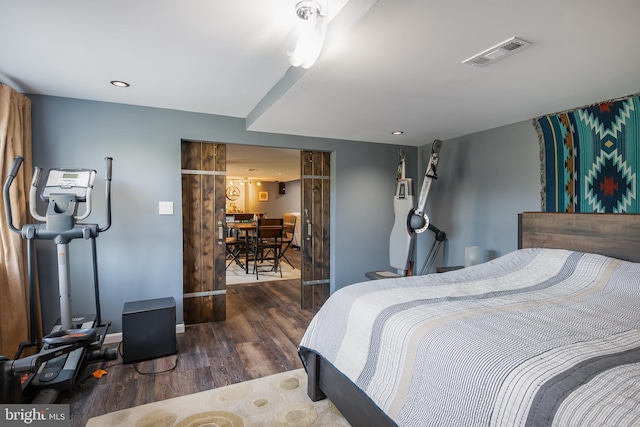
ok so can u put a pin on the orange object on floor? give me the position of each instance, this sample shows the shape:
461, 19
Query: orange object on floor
99, 373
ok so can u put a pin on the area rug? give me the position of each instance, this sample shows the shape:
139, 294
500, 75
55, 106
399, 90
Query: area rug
237, 274
591, 158
276, 400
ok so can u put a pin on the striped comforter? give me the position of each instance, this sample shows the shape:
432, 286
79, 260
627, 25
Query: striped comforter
537, 337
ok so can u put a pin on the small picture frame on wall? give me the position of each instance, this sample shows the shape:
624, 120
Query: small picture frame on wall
263, 196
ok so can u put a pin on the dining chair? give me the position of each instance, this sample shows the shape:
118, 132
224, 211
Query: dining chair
234, 247
288, 229
267, 244
234, 244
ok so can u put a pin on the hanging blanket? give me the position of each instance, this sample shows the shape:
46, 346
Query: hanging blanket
590, 158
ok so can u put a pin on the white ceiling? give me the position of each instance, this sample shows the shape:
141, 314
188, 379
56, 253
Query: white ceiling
387, 64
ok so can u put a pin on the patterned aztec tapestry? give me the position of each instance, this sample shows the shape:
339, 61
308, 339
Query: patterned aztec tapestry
591, 157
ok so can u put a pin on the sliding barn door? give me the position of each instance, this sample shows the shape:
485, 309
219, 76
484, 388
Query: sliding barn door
315, 221
203, 221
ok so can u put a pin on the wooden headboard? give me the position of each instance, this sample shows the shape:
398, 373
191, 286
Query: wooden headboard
614, 235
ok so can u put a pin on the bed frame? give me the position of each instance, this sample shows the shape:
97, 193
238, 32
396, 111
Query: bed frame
615, 235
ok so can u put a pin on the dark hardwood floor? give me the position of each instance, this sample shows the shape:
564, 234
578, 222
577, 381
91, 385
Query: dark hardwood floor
260, 337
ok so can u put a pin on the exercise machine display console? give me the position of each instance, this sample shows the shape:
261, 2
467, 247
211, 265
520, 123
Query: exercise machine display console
68, 181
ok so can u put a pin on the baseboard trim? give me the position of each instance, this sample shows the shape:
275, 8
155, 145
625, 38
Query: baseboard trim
117, 336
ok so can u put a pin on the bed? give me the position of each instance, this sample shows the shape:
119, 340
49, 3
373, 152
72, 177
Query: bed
546, 335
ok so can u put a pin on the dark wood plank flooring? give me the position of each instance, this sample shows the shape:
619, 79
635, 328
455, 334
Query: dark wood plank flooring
260, 337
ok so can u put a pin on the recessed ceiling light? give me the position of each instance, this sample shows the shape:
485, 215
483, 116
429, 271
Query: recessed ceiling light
119, 83
397, 132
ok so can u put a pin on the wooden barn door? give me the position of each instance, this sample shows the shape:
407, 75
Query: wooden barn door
203, 222
315, 222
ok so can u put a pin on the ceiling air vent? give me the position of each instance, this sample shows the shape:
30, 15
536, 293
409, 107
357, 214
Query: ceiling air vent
501, 50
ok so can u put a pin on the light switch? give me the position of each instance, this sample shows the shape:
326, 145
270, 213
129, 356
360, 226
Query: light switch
165, 208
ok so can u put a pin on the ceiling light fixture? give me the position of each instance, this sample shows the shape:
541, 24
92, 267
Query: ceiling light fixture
119, 83
313, 30
397, 132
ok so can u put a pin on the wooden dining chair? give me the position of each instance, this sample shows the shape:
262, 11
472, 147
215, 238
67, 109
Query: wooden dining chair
267, 244
234, 244
288, 230
234, 247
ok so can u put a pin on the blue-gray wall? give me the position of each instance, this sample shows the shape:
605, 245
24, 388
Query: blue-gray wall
140, 257
485, 180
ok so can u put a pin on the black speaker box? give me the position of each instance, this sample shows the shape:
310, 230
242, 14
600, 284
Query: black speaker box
148, 329
281, 188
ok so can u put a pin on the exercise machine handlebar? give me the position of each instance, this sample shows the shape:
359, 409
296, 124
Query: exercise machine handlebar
32, 194
17, 162
107, 191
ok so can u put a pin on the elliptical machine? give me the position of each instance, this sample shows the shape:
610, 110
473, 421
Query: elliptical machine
410, 220
75, 338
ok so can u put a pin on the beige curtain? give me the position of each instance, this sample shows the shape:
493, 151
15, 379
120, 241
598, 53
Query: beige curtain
15, 140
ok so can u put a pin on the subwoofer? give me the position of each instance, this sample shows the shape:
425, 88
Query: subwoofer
148, 329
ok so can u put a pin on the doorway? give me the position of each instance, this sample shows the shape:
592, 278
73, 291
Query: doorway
305, 175
210, 171
261, 182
